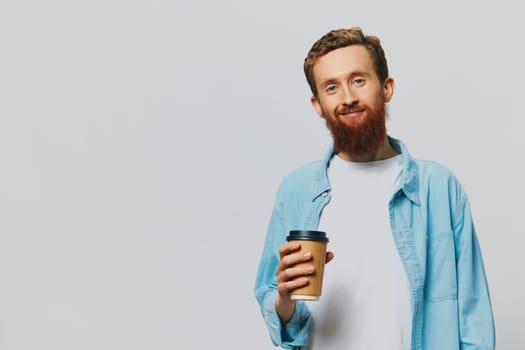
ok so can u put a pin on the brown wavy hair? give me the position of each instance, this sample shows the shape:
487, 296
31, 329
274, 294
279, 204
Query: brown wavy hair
340, 38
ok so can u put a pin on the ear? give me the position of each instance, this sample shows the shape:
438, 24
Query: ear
317, 106
388, 89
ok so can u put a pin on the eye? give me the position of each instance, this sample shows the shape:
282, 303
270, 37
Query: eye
359, 81
331, 89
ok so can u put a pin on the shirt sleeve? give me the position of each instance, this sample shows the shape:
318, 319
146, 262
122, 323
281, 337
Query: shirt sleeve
476, 323
294, 333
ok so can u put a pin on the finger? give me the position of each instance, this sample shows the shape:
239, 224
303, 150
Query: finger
287, 287
288, 248
291, 260
294, 273
329, 257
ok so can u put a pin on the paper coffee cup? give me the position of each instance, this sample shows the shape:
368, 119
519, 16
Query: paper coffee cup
314, 242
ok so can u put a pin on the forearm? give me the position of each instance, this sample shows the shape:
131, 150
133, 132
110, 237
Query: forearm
288, 322
475, 311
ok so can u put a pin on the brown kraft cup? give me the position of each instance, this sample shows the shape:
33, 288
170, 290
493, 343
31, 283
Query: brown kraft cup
314, 242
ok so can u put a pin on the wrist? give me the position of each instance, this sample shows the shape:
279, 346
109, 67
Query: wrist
285, 308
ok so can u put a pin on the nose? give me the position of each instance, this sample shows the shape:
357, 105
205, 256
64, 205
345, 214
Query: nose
349, 96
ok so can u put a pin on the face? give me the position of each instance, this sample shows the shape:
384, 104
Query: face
352, 100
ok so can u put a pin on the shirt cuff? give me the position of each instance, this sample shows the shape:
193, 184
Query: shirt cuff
295, 332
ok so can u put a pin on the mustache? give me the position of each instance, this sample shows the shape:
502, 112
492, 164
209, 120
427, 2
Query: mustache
354, 107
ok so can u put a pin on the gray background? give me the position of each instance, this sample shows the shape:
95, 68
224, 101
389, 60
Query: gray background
141, 144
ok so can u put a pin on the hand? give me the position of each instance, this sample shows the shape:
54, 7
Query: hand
290, 276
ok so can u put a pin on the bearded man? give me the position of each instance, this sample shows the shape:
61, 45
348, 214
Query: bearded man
405, 271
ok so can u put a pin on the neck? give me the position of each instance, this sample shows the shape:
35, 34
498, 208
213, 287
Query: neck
384, 151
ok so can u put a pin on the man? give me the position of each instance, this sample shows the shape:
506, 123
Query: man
406, 271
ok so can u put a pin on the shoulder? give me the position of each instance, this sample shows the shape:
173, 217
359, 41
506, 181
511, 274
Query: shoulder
433, 181
301, 181
438, 179
432, 169
306, 172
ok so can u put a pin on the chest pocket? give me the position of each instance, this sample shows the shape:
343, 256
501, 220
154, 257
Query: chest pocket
440, 280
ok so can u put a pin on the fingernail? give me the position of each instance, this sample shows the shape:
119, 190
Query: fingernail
307, 255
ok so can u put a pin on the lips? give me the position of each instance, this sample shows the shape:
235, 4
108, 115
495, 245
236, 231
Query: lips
351, 113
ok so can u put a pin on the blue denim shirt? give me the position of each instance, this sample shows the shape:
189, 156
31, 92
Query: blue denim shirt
434, 234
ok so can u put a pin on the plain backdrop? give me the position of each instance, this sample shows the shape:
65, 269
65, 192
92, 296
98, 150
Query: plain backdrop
142, 142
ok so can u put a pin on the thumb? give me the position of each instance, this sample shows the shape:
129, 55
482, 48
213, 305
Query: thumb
329, 257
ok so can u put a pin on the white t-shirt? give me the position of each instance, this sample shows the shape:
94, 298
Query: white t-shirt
366, 302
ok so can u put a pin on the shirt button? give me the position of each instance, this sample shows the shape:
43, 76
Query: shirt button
324, 194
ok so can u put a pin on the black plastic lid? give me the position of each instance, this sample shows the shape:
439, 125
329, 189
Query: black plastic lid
307, 235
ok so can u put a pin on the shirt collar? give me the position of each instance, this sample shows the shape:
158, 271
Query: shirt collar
408, 184
409, 181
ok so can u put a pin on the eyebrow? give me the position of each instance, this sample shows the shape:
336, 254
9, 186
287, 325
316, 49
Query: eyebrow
328, 82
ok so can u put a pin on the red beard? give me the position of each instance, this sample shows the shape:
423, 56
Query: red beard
362, 137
